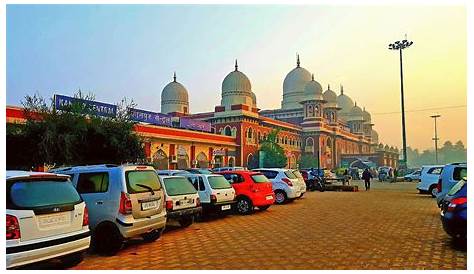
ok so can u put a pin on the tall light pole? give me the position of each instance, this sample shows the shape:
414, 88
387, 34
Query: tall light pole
436, 136
400, 46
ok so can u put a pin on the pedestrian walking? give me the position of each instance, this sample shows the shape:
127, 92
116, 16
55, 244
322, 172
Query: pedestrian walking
366, 176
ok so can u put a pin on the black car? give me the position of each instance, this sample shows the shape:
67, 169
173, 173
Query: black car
454, 210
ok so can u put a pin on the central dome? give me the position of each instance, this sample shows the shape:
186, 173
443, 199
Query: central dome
294, 85
236, 89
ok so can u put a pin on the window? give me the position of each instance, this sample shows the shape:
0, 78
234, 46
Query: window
93, 182
142, 181
234, 178
269, 174
260, 178
218, 182
178, 186
290, 174
459, 173
435, 170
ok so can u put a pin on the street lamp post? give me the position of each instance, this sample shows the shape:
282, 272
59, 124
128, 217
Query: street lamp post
400, 46
436, 136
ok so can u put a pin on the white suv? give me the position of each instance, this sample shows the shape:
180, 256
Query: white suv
46, 219
284, 183
429, 179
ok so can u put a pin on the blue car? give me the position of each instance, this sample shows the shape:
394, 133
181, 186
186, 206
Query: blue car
454, 210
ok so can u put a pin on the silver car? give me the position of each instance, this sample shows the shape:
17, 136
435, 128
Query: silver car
284, 183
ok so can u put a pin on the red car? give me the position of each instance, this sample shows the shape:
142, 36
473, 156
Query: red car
252, 189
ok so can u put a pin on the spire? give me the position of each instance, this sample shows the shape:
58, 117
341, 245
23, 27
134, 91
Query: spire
355, 103
342, 90
364, 108
328, 87
312, 76
174, 76
236, 66
297, 60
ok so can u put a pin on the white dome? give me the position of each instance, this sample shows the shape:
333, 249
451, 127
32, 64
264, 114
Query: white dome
174, 98
375, 136
236, 89
330, 97
312, 90
254, 100
294, 85
344, 102
366, 115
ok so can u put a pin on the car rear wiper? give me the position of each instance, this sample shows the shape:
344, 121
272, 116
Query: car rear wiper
147, 187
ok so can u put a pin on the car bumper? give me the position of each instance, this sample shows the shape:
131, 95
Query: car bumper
261, 200
453, 225
45, 250
293, 193
220, 206
130, 227
176, 214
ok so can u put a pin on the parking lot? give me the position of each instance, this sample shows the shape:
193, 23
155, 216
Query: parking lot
388, 227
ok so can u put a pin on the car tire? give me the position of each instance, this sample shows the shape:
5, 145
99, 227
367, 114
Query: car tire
186, 221
433, 191
152, 235
280, 197
73, 259
107, 239
263, 208
243, 206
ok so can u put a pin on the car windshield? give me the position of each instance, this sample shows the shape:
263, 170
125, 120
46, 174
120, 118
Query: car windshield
457, 187
260, 178
204, 171
178, 186
218, 182
41, 193
297, 174
290, 175
142, 181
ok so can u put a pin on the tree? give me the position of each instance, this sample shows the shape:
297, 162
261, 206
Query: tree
308, 161
274, 155
72, 136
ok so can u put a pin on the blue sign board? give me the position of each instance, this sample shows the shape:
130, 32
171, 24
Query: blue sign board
150, 117
62, 102
194, 124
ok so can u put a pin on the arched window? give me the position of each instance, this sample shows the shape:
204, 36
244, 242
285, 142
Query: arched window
249, 133
227, 131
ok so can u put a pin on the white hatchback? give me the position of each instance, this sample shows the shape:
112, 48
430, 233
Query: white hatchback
284, 183
46, 219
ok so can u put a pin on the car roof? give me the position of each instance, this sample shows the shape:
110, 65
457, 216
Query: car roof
21, 174
250, 172
271, 169
433, 166
100, 166
170, 176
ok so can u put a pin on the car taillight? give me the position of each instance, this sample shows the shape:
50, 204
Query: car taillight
125, 204
85, 217
213, 198
287, 181
455, 202
198, 202
169, 204
439, 186
13, 228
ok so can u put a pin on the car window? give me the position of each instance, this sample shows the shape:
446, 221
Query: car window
290, 174
459, 173
94, 182
457, 187
234, 178
260, 178
435, 170
218, 182
178, 186
269, 174
139, 181
40, 193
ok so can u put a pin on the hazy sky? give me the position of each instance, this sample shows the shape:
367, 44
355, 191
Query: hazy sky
131, 51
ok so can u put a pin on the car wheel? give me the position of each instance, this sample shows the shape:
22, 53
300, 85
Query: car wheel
107, 239
244, 206
73, 259
152, 235
433, 191
280, 197
263, 208
186, 221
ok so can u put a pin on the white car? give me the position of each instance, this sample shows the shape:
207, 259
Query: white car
429, 179
46, 219
301, 181
215, 192
172, 172
285, 184
228, 168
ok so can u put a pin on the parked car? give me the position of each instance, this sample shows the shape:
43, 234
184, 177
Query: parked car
252, 189
301, 181
228, 168
413, 176
454, 210
285, 184
182, 200
124, 201
215, 192
199, 170
45, 219
451, 174
429, 179
172, 172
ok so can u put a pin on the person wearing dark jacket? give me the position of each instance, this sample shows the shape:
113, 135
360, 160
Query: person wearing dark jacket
366, 176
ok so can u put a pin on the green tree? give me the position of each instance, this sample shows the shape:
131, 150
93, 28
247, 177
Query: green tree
72, 136
308, 161
274, 153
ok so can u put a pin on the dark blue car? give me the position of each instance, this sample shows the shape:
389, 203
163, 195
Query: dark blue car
454, 210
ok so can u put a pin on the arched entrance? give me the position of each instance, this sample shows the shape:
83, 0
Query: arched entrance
202, 161
231, 161
160, 160
218, 161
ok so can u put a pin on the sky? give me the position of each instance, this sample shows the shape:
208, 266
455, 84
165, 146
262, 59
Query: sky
117, 51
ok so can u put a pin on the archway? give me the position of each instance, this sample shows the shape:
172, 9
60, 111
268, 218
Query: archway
309, 145
183, 161
202, 161
231, 161
227, 131
160, 160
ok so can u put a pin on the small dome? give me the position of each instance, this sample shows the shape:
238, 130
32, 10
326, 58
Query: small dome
294, 85
356, 110
236, 89
254, 99
366, 115
374, 136
344, 102
313, 90
330, 97
174, 98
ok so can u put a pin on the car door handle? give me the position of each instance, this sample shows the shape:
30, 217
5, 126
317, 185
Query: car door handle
99, 202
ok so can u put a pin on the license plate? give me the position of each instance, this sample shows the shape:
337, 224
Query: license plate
186, 201
270, 197
225, 207
57, 219
149, 205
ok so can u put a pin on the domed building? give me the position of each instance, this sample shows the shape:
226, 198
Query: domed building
294, 85
174, 98
331, 98
237, 90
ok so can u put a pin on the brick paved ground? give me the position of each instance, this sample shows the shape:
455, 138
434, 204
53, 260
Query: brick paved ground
389, 227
